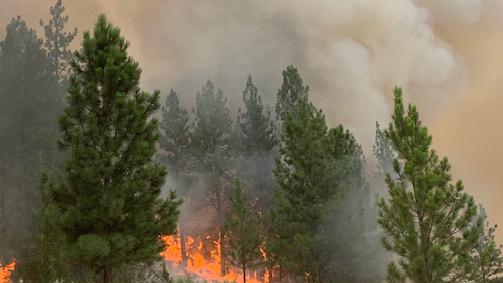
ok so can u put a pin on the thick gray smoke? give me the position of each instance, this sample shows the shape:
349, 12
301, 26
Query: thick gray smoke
352, 53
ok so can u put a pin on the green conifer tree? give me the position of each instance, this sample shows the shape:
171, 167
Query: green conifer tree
57, 41
107, 202
310, 171
211, 145
212, 128
255, 122
27, 107
292, 89
383, 152
175, 134
175, 143
47, 262
41, 261
427, 219
256, 134
243, 232
350, 218
486, 257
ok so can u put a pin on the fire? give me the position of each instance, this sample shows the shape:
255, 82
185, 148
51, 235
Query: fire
5, 271
207, 268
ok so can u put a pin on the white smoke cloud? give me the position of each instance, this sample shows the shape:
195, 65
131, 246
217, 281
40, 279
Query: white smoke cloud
352, 53
458, 12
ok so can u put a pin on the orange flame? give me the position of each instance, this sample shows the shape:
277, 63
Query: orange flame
5, 271
200, 266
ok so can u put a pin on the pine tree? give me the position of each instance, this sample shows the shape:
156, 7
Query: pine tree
301, 176
107, 200
427, 219
47, 261
175, 141
256, 134
255, 123
57, 41
175, 133
383, 152
242, 229
213, 125
351, 219
27, 107
310, 174
42, 258
486, 257
292, 89
211, 144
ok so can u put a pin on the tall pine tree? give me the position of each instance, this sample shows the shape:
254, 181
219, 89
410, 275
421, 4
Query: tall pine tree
323, 199
213, 125
41, 259
302, 154
258, 147
175, 135
383, 152
175, 145
428, 221
211, 144
57, 41
107, 201
243, 232
27, 107
487, 262
255, 122
354, 249
310, 170
292, 89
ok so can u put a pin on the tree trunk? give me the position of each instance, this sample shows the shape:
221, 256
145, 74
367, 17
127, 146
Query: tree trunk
2, 218
220, 218
107, 274
244, 272
222, 256
183, 247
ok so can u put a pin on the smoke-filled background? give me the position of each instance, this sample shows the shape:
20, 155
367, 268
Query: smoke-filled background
445, 54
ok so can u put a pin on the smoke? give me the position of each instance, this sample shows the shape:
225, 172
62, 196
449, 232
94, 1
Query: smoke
445, 54
352, 53
469, 132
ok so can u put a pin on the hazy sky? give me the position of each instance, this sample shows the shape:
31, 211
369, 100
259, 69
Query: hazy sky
447, 55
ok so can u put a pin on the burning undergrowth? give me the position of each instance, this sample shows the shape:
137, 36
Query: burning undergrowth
200, 259
5, 271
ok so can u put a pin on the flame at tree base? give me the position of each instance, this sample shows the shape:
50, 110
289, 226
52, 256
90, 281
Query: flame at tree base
5, 271
199, 266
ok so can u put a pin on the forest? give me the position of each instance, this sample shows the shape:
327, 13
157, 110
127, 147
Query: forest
103, 181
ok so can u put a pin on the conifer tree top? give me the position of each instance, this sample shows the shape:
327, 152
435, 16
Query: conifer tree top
291, 91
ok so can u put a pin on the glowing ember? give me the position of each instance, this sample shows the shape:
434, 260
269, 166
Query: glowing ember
5, 272
200, 266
